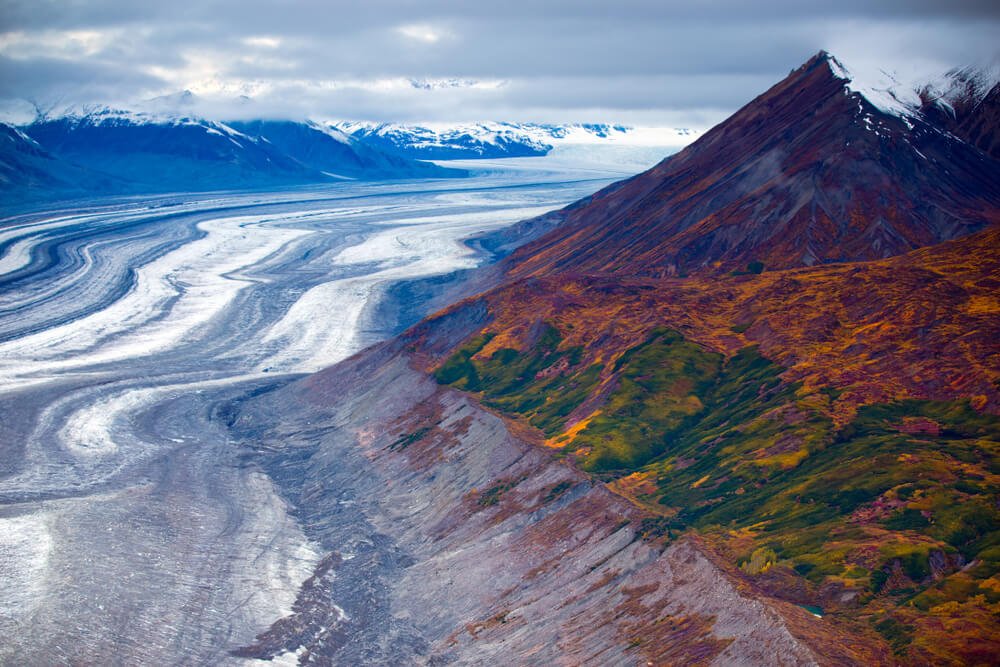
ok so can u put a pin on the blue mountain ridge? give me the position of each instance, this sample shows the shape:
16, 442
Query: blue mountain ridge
114, 152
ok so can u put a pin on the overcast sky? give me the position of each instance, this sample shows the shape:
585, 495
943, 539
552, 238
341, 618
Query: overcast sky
654, 62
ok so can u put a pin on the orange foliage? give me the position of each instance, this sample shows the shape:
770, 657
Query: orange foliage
915, 326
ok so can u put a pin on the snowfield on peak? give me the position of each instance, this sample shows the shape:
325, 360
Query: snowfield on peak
908, 96
966, 86
883, 89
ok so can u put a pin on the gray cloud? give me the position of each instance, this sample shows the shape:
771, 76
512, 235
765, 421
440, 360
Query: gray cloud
58, 79
651, 61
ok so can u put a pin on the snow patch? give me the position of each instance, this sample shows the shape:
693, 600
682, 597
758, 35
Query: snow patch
966, 86
331, 132
882, 89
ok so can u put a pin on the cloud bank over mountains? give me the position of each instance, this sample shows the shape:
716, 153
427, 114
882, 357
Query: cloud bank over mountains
652, 63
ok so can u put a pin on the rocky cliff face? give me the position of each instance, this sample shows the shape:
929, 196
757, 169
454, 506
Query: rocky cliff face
454, 539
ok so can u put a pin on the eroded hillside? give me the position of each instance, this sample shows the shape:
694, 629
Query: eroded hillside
830, 434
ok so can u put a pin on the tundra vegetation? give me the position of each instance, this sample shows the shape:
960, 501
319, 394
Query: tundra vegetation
893, 513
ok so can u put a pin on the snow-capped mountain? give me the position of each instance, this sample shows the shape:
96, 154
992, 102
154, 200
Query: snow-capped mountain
158, 147
964, 101
164, 150
962, 88
335, 154
436, 141
825, 167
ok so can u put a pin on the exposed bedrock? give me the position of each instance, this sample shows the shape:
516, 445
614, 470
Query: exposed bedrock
451, 540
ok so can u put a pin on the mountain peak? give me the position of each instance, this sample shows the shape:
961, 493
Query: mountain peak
959, 88
807, 173
822, 56
883, 89
183, 99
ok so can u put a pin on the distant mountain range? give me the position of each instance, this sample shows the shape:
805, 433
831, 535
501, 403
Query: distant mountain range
162, 145
487, 140
103, 151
